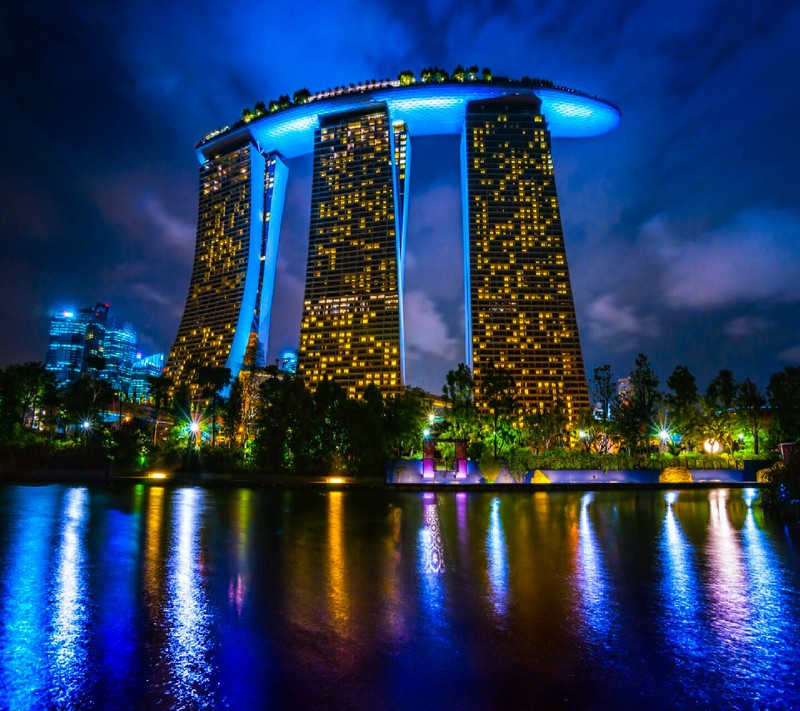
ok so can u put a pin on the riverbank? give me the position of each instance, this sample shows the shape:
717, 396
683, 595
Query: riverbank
85, 477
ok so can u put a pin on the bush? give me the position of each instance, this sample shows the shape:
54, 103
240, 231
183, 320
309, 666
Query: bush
675, 475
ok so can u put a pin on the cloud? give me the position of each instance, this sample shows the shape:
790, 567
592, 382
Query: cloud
617, 326
751, 259
744, 326
426, 331
791, 354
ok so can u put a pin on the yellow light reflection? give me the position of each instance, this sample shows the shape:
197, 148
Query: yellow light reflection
337, 592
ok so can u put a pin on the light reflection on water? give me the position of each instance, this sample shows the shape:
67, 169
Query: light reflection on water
68, 639
187, 618
591, 579
682, 625
498, 561
191, 598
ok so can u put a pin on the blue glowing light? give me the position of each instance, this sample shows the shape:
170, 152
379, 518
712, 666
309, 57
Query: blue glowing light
498, 561
427, 110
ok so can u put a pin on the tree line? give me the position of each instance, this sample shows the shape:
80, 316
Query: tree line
270, 422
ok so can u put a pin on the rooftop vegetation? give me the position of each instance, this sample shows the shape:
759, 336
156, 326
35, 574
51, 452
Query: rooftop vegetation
429, 75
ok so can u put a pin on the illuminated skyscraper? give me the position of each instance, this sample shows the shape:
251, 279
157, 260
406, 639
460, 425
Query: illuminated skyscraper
92, 344
230, 292
119, 353
518, 300
352, 310
520, 311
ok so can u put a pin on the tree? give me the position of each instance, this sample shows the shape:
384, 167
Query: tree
633, 417
751, 404
406, 77
719, 412
783, 392
459, 392
85, 399
486, 74
603, 389
212, 381
499, 394
459, 73
301, 96
404, 415
683, 402
233, 411
546, 429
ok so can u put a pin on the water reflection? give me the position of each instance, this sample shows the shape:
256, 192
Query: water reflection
681, 623
146, 597
591, 577
188, 618
727, 583
431, 552
498, 560
338, 601
771, 627
23, 659
68, 640
239, 583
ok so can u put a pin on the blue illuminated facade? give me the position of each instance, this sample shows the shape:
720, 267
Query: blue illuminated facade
242, 189
89, 343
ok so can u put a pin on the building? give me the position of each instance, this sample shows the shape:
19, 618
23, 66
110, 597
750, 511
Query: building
75, 347
230, 292
89, 343
119, 354
352, 321
520, 313
518, 297
143, 369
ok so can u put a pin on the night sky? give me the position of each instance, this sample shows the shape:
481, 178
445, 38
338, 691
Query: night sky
681, 226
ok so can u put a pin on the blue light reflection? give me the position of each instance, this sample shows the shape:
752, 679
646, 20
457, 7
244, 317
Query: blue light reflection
591, 578
497, 555
188, 618
23, 658
69, 636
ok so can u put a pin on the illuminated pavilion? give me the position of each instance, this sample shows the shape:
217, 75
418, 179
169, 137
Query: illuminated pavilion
520, 314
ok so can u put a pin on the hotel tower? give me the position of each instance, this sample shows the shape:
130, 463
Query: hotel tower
519, 310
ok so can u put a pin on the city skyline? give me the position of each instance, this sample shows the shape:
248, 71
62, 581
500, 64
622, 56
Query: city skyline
679, 226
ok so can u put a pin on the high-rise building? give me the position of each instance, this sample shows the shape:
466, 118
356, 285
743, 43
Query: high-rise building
76, 343
65, 349
230, 292
119, 354
520, 312
143, 369
352, 320
518, 299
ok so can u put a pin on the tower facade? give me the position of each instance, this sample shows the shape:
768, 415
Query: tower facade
351, 329
226, 318
520, 312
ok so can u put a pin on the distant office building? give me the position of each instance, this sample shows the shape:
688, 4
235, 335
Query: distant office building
143, 369
89, 343
119, 353
520, 311
518, 301
65, 350
76, 342
288, 361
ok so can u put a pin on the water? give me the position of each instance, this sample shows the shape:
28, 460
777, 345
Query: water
152, 597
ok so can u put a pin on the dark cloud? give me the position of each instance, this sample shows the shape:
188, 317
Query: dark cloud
680, 225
